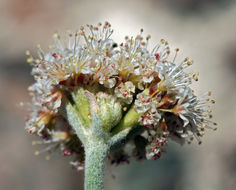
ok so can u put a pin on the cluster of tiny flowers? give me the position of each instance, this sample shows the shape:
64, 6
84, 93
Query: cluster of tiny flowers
156, 87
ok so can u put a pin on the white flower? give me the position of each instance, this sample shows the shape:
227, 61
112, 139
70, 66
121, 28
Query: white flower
156, 148
125, 91
173, 78
157, 142
105, 72
147, 105
142, 103
151, 117
195, 114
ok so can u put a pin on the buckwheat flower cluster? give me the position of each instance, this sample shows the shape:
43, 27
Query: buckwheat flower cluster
117, 91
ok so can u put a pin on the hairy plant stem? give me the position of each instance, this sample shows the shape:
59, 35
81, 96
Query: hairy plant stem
95, 157
97, 127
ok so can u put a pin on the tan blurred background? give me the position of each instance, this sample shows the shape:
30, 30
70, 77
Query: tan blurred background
204, 30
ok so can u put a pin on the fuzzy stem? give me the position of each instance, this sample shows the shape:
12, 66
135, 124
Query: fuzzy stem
95, 157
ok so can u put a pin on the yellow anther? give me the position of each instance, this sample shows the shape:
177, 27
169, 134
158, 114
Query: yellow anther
21, 103
33, 142
148, 37
68, 30
195, 76
37, 61
38, 46
36, 153
30, 60
204, 114
186, 59
27, 52
189, 63
48, 157
138, 37
162, 41
55, 35
30, 88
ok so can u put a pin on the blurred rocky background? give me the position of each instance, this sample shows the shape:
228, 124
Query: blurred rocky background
204, 30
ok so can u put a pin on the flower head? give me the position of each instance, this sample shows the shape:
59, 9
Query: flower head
114, 79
